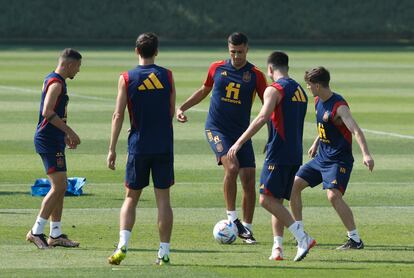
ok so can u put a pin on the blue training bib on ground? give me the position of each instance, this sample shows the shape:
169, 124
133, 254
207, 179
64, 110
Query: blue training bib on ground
42, 186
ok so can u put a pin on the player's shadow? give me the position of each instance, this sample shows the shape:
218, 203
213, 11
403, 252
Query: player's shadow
389, 247
388, 262
270, 267
14, 212
190, 251
370, 247
9, 193
83, 194
123, 199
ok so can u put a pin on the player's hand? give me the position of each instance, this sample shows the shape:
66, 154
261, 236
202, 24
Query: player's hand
110, 160
181, 117
72, 140
231, 154
369, 162
312, 151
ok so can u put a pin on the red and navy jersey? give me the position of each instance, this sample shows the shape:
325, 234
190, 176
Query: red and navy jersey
232, 96
335, 140
284, 146
48, 138
149, 89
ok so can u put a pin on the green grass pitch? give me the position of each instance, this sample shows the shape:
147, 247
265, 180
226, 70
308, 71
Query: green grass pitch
377, 82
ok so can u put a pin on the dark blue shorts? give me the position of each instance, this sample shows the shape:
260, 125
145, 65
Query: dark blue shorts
138, 170
54, 162
331, 175
220, 144
277, 180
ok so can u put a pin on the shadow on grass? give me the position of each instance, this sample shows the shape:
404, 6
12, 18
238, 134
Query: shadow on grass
368, 261
190, 251
371, 247
14, 212
280, 267
9, 193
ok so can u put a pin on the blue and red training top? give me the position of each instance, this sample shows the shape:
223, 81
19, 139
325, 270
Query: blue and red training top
284, 146
48, 138
149, 89
232, 96
335, 140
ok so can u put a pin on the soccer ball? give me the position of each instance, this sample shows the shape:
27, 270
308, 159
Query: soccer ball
225, 232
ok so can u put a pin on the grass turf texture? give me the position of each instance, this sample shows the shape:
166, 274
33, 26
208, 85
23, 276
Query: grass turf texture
377, 83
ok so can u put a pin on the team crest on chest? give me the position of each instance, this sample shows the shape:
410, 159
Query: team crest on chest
247, 76
325, 117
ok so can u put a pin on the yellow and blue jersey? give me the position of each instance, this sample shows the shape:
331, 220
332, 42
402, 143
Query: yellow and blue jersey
232, 96
335, 140
48, 138
284, 146
149, 89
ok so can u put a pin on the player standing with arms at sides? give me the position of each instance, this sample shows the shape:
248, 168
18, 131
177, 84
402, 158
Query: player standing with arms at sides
51, 137
284, 110
332, 153
234, 83
148, 91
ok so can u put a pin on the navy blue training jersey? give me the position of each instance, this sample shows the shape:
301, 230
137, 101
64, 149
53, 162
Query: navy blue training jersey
284, 146
232, 96
48, 138
335, 140
149, 90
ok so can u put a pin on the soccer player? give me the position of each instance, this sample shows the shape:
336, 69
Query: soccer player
284, 110
148, 91
51, 137
332, 153
234, 83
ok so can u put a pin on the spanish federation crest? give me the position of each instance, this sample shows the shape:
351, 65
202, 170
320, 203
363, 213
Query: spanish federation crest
60, 161
325, 117
247, 76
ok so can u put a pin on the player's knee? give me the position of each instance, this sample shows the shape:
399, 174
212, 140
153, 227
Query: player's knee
298, 185
334, 196
263, 200
249, 188
232, 170
59, 189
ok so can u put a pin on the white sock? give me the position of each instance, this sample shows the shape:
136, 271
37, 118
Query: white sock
248, 226
124, 236
164, 249
354, 235
39, 226
277, 242
231, 215
301, 224
297, 230
55, 229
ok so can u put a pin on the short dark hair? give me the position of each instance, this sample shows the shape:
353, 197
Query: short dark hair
70, 53
319, 75
147, 44
237, 38
278, 59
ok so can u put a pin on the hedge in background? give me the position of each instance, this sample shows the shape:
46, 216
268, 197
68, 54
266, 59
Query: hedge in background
204, 20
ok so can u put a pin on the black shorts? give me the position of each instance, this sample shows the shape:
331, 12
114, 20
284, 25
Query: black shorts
54, 162
277, 180
330, 174
220, 145
139, 166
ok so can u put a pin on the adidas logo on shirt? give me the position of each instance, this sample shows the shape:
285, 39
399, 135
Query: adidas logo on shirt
151, 83
299, 96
